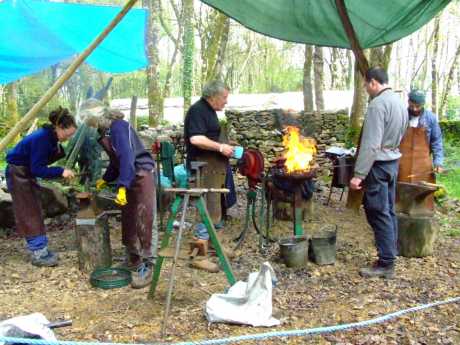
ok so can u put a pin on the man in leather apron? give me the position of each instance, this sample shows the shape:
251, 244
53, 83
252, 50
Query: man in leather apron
202, 135
422, 140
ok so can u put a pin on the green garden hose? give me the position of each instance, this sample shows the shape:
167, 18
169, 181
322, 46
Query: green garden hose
110, 278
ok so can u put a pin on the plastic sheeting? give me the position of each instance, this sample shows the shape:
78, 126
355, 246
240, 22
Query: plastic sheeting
35, 35
376, 22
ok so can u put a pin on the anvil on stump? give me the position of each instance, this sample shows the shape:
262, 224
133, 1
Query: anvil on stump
416, 234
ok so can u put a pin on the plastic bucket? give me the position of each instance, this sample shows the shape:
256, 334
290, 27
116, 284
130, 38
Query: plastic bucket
322, 249
294, 251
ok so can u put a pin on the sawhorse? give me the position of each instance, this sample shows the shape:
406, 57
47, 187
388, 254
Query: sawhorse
183, 195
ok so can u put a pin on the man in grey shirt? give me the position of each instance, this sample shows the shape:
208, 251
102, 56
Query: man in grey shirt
376, 168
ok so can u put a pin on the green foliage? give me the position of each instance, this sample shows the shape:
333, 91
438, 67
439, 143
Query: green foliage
450, 131
451, 178
144, 121
351, 137
453, 108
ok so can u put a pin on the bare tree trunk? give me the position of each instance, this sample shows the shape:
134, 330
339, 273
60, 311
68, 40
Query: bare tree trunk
434, 72
450, 79
11, 98
177, 45
350, 70
307, 85
334, 68
222, 48
380, 56
188, 39
318, 70
358, 107
155, 97
214, 44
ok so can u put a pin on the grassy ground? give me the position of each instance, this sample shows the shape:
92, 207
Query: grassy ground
451, 178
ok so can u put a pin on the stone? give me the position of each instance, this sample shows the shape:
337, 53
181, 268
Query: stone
6, 210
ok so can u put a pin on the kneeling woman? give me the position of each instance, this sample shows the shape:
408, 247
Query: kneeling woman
28, 160
132, 167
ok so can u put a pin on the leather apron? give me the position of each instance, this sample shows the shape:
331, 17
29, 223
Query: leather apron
25, 194
415, 164
137, 215
213, 177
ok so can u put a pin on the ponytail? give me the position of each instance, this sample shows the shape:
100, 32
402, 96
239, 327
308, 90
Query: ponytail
61, 117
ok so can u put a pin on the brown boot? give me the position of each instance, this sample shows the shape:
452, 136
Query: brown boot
205, 264
229, 253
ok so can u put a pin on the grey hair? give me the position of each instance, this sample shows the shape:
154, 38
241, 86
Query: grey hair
104, 119
213, 88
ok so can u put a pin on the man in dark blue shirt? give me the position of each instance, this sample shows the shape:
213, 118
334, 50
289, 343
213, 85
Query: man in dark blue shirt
202, 140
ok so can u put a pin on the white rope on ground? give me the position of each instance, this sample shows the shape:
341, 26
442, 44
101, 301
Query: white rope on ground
257, 336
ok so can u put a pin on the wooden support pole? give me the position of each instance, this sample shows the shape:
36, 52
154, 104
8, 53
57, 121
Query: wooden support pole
132, 112
32, 113
363, 64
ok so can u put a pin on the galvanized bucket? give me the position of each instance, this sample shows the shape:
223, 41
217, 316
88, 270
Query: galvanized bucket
322, 249
294, 251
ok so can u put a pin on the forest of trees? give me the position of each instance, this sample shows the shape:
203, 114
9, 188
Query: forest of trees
190, 43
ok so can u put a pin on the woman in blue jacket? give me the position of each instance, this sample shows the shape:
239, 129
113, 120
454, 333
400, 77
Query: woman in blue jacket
28, 160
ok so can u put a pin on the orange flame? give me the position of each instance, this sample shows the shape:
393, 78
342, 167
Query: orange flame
300, 151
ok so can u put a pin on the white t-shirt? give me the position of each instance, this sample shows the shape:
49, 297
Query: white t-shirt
413, 121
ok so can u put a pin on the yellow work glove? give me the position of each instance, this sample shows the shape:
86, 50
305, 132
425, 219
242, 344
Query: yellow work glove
121, 197
100, 184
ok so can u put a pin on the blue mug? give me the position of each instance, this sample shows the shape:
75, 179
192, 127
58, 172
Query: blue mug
238, 152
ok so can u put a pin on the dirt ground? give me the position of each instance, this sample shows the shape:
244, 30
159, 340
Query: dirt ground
309, 297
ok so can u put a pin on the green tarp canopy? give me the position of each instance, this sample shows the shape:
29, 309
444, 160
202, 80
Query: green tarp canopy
317, 22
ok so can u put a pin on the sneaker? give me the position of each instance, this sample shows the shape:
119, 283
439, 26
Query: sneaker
130, 262
378, 270
44, 258
219, 225
143, 276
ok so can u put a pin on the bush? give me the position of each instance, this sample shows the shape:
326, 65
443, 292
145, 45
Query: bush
453, 108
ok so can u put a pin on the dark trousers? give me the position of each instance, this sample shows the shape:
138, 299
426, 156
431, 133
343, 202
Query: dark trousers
137, 215
379, 204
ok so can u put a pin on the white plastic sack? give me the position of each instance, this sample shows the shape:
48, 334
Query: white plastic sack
27, 326
246, 303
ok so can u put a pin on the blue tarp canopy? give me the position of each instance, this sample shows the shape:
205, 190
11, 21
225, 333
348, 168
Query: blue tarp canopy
35, 35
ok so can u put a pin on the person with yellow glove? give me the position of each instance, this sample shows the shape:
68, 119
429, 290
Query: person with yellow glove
132, 167
100, 184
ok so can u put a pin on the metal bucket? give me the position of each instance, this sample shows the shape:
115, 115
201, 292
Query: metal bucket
322, 249
294, 251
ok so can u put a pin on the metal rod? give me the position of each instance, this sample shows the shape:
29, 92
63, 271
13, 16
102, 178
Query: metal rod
32, 113
59, 324
173, 269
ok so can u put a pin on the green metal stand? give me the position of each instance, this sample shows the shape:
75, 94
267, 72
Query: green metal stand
197, 196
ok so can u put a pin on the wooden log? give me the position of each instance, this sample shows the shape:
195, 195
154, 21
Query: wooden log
416, 236
93, 237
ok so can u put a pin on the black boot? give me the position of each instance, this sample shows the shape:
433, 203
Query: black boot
379, 270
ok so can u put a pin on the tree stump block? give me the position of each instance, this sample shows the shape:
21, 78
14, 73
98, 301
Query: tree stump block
416, 236
93, 236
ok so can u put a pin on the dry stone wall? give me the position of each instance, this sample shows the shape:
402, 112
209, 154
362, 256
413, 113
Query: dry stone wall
263, 130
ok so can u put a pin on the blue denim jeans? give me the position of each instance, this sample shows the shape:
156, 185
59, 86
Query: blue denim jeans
202, 233
379, 204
